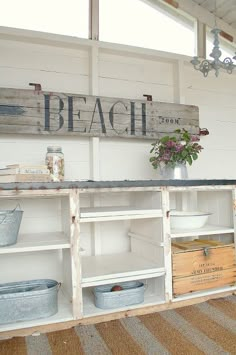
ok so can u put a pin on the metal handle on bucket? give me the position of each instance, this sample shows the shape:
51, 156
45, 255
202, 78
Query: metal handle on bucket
11, 212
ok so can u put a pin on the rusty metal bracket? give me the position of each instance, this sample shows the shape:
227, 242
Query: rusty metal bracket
37, 87
149, 97
203, 132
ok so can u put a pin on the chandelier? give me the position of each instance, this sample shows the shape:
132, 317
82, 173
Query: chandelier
205, 66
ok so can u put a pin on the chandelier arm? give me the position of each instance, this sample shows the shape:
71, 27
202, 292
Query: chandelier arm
216, 64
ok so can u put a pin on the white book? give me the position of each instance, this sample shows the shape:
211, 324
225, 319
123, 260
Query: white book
26, 166
24, 169
25, 178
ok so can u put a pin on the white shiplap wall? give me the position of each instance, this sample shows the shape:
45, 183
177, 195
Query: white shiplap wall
72, 65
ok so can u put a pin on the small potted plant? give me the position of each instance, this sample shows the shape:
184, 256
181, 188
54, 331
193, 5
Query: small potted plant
172, 153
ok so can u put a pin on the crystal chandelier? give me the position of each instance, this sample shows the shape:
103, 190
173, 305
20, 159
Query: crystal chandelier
216, 64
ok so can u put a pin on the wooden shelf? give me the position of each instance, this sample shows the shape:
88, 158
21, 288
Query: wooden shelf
102, 269
99, 214
206, 230
36, 242
212, 291
89, 308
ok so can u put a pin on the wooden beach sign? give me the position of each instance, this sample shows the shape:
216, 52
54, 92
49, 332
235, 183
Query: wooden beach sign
47, 113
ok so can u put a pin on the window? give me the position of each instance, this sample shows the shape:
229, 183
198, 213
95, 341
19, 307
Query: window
69, 17
133, 22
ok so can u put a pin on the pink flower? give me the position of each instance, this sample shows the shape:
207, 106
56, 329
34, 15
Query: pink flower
183, 147
170, 144
194, 139
179, 147
166, 156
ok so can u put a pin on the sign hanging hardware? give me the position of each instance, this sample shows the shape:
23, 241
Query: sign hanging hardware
37, 86
149, 97
206, 251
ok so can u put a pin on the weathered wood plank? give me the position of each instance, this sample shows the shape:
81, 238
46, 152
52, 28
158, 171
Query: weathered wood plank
30, 112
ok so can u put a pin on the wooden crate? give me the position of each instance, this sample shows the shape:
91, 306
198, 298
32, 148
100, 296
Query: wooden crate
202, 264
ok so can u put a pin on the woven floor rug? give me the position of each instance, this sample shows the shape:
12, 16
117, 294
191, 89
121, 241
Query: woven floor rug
206, 328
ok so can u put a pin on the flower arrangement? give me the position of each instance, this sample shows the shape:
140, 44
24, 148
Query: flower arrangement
171, 150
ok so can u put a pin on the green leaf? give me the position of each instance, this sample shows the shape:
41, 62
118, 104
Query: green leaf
177, 130
189, 160
194, 156
164, 139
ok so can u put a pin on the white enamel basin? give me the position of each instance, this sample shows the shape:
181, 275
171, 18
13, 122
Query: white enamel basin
188, 220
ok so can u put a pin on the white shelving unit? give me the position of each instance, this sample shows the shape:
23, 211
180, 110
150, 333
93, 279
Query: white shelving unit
88, 237
125, 230
217, 200
45, 249
220, 228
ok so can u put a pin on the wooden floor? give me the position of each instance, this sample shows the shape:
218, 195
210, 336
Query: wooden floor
205, 328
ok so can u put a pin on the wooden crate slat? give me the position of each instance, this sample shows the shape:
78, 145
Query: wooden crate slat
194, 283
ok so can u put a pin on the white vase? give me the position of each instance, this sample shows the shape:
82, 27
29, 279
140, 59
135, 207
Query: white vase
179, 171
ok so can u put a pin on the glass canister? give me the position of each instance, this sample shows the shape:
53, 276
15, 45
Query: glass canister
55, 163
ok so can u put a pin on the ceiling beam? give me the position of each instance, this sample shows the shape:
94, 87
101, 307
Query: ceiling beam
168, 7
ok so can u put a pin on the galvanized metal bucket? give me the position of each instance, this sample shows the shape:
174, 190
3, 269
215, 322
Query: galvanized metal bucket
132, 293
10, 221
27, 300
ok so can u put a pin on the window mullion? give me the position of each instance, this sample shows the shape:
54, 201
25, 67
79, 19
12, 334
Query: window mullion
200, 39
94, 19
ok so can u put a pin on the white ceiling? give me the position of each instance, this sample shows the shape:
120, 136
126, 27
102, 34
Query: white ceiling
212, 13
223, 9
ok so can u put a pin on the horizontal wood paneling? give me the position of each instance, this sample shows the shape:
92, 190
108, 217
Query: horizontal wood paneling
129, 159
217, 108
211, 99
44, 58
52, 67
32, 150
136, 89
193, 79
50, 81
123, 72
130, 76
136, 69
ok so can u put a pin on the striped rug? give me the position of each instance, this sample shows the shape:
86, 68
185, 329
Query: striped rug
206, 328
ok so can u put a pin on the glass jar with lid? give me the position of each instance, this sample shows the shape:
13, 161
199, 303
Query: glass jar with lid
55, 162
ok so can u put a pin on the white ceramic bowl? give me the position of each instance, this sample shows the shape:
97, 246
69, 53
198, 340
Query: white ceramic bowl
188, 220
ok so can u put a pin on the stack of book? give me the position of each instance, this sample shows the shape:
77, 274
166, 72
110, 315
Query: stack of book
24, 173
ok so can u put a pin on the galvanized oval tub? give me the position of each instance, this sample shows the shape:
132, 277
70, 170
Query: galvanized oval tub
27, 300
